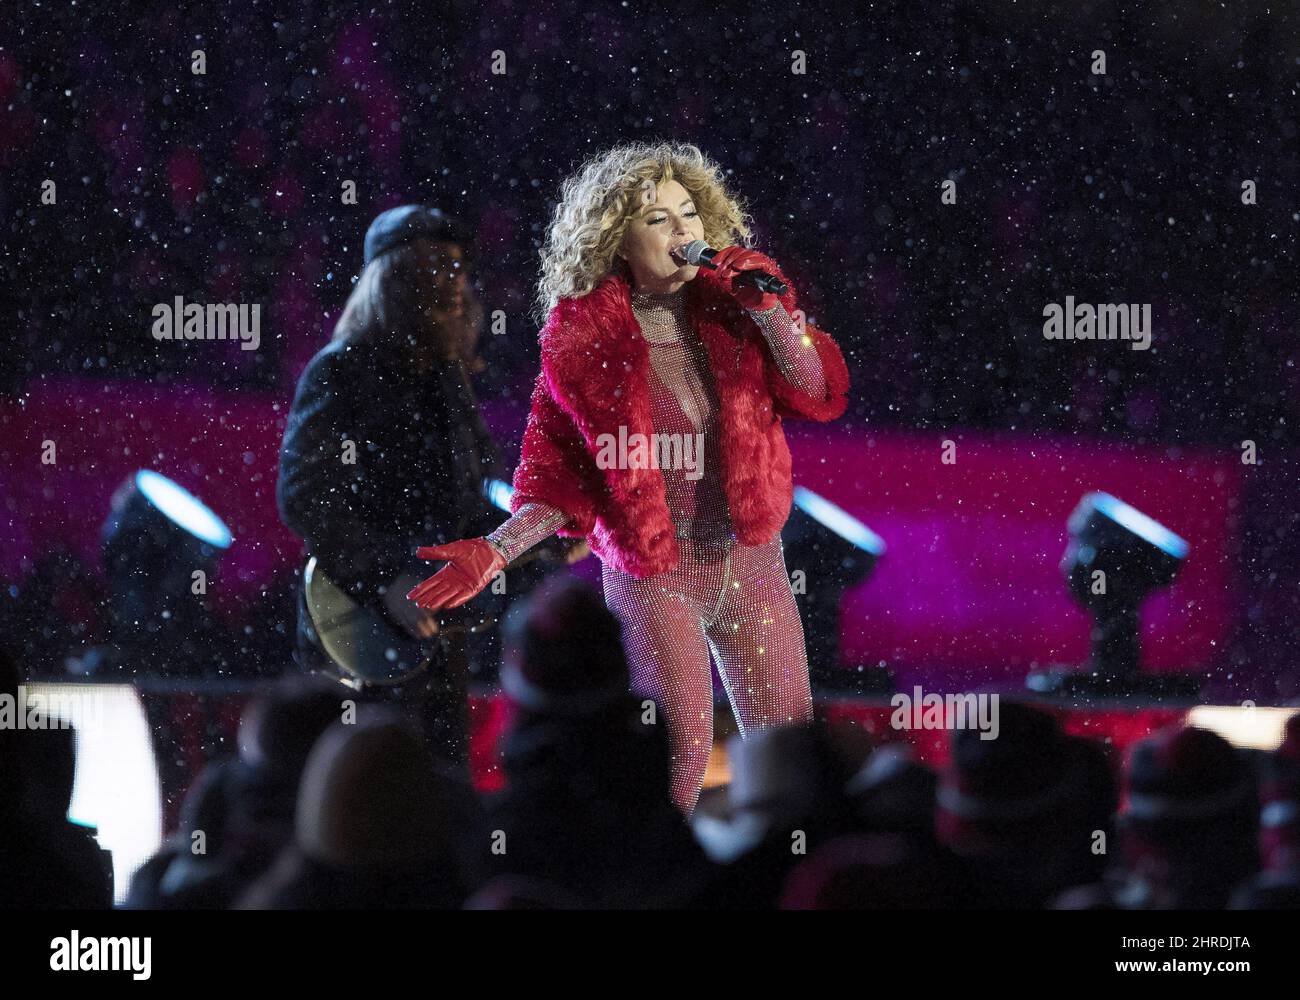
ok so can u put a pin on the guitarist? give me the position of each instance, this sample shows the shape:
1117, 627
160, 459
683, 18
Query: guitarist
385, 443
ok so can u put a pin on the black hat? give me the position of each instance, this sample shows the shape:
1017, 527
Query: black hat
563, 650
1185, 773
408, 222
1018, 778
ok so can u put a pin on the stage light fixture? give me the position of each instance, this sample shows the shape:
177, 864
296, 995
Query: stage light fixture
498, 493
834, 551
156, 537
1117, 556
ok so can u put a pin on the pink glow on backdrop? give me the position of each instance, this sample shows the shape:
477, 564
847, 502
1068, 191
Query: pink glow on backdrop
971, 578
222, 447
970, 582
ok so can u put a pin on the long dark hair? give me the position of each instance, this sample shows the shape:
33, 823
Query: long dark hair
385, 308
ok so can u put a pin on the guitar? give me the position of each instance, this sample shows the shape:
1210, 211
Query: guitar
365, 648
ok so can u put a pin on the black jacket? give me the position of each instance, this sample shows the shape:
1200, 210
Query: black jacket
421, 454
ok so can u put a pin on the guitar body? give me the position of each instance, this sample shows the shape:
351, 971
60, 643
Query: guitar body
365, 647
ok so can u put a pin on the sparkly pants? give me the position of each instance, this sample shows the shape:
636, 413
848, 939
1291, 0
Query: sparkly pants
736, 601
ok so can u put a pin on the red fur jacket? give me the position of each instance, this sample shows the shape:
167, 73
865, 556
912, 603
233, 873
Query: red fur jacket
594, 373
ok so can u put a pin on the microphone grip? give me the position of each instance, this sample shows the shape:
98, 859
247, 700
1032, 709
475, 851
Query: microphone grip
764, 282
699, 253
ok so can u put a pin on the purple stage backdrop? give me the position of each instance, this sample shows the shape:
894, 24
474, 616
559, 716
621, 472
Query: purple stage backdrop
970, 585
971, 581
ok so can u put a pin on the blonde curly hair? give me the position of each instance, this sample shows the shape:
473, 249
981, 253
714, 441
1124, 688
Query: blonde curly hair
598, 202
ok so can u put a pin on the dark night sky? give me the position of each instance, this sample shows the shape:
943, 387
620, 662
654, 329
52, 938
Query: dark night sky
1117, 188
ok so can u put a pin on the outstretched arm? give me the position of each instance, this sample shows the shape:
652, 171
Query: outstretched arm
530, 524
555, 468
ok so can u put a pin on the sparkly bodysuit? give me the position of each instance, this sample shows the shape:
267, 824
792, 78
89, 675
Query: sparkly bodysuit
731, 599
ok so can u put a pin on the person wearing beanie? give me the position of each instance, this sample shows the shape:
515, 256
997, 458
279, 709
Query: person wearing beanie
586, 805
1020, 809
47, 863
1190, 822
244, 805
564, 623
179, 877
789, 784
385, 447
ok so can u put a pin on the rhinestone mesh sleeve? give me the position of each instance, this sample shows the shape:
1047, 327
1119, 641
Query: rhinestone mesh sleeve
793, 350
527, 526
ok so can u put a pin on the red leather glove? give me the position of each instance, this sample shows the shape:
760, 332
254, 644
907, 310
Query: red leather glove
731, 262
471, 564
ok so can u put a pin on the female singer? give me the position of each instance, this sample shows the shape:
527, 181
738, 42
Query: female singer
636, 341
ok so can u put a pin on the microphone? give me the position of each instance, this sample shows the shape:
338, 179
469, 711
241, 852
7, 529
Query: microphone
700, 254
